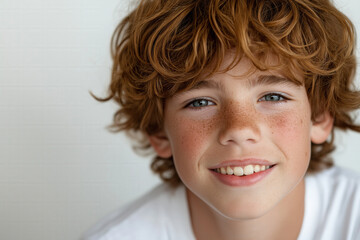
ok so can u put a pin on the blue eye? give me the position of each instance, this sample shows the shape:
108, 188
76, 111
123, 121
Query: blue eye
273, 97
198, 103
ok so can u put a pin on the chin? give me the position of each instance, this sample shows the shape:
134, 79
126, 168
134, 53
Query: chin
239, 212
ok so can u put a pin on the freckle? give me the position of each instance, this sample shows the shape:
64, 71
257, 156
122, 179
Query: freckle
281, 121
209, 126
183, 141
238, 114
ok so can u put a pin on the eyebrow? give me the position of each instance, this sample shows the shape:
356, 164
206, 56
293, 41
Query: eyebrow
271, 80
208, 84
260, 80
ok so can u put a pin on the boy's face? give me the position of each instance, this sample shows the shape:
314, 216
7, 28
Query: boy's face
230, 121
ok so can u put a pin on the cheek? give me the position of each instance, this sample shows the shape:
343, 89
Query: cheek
189, 141
290, 125
188, 137
291, 132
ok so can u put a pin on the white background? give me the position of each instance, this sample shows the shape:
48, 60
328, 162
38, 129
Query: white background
60, 169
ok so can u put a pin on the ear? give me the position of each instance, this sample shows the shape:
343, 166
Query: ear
321, 128
161, 144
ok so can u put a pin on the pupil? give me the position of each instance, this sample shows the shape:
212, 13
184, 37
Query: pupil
272, 98
201, 103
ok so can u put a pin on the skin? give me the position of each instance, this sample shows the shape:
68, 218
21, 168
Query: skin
233, 116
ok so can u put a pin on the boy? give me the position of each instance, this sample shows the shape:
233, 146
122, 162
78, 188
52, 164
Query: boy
239, 100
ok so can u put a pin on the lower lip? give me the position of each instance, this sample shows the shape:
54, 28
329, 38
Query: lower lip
242, 181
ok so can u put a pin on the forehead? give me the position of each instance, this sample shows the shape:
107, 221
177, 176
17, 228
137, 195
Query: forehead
252, 81
268, 60
245, 69
273, 71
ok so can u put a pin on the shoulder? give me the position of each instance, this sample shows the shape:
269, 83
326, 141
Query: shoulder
336, 186
156, 214
335, 180
332, 203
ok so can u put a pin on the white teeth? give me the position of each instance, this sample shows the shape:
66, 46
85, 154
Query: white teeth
249, 169
240, 171
229, 171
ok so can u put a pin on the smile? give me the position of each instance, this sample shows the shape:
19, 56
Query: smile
242, 176
240, 171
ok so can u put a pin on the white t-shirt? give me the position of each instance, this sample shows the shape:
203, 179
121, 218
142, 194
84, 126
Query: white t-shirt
332, 212
162, 214
332, 206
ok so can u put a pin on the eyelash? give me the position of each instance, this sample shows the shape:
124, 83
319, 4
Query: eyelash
281, 97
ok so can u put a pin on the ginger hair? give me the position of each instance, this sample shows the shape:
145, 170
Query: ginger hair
162, 47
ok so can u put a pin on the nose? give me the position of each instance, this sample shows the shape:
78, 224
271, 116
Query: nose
239, 125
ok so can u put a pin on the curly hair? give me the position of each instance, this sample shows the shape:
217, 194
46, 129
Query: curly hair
162, 47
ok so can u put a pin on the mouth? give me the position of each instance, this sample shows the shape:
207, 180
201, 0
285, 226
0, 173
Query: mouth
242, 171
242, 174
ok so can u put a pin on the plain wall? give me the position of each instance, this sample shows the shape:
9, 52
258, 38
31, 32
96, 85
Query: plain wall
60, 169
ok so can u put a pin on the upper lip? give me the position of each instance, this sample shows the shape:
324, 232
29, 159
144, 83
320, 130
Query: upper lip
243, 163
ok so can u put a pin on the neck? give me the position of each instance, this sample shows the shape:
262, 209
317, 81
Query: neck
283, 221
